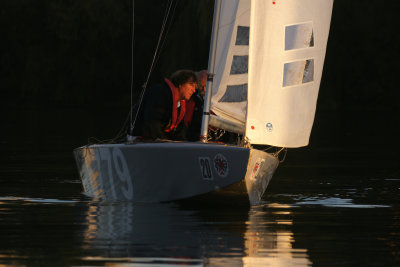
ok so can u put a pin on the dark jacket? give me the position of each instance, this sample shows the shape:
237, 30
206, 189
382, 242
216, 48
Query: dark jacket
155, 115
194, 116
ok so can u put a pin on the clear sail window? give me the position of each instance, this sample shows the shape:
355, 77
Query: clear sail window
239, 64
299, 36
242, 35
235, 93
298, 72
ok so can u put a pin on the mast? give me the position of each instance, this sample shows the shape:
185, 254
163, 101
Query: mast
211, 64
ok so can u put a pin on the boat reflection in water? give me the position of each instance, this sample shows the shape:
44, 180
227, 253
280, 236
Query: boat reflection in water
167, 234
270, 243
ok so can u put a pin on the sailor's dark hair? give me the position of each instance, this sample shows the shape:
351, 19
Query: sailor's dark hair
180, 77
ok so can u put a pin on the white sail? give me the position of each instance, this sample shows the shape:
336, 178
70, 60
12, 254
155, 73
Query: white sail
272, 87
287, 50
229, 99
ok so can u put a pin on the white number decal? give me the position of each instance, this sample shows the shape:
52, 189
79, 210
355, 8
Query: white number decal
105, 156
205, 168
121, 167
116, 164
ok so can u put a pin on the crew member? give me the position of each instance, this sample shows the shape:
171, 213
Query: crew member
163, 108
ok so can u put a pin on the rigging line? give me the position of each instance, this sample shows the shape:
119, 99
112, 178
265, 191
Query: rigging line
121, 131
161, 36
120, 134
277, 154
152, 64
166, 33
132, 46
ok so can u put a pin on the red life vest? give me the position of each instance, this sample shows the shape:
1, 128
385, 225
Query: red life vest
190, 105
175, 118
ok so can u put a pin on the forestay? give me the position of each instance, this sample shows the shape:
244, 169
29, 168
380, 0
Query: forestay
272, 69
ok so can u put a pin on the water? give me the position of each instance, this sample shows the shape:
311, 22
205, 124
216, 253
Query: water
327, 205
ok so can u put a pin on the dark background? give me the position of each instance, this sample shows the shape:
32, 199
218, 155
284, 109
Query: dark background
66, 70
73, 53
79, 52
65, 77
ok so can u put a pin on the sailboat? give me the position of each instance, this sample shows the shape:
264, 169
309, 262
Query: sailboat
265, 65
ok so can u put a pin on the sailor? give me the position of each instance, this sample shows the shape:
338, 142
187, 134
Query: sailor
163, 108
194, 108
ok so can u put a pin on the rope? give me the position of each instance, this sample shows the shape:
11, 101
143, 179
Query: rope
276, 154
120, 136
121, 132
152, 63
133, 35
166, 33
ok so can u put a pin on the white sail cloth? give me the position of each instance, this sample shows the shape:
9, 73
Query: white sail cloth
284, 58
287, 50
229, 99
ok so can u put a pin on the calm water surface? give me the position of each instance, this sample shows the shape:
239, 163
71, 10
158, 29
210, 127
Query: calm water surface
326, 206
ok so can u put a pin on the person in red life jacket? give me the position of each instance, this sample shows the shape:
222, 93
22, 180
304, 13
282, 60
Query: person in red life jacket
194, 108
163, 108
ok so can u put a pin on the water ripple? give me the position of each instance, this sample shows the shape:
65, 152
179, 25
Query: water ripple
337, 202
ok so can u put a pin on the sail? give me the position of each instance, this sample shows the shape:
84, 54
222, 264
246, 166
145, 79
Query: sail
287, 50
229, 99
268, 68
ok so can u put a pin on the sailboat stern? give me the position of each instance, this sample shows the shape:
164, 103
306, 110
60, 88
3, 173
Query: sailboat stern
260, 169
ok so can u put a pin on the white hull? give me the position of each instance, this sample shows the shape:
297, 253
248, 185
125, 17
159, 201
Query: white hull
158, 172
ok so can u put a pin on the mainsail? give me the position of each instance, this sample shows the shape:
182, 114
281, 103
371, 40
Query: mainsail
229, 100
269, 62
